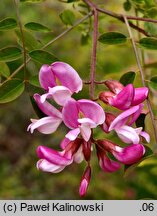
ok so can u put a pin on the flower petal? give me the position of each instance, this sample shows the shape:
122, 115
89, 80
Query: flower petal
67, 76
92, 111
135, 114
88, 122
140, 95
108, 165
60, 94
130, 154
83, 187
46, 77
85, 132
72, 135
53, 156
85, 181
145, 135
46, 107
124, 116
124, 99
64, 143
127, 134
45, 125
46, 166
78, 156
70, 114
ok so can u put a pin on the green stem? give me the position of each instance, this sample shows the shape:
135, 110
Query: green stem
22, 37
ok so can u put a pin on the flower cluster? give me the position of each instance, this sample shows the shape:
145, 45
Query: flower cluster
60, 81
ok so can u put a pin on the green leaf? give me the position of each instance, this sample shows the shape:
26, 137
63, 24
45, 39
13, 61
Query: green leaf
34, 80
11, 90
152, 12
151, 28
127, 78
31, 42
153, 83
42, 57
10, 54
32, 1
111, 38
67, 17
149, 43
4, 70
85, 39
127, 6
129, 168
37, 27
7, 24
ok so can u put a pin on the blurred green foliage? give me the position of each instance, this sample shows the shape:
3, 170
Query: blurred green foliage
19, 178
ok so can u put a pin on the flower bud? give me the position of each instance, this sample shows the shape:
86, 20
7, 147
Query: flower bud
85, 181
114, 86
109, 119
87, 150
106, 164
106, 97
130, 154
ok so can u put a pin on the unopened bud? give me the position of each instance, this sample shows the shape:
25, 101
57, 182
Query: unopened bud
106, 97
114, 86
109, 119
87, 150
85, 181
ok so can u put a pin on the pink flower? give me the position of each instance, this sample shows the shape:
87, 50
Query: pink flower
121, 125
48, 124
60, 80
106, 164
127, 155
55, 161
81, 116
85, 181
123, 97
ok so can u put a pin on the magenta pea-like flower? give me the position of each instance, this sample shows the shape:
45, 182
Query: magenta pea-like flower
55, 161
81, 116
123, 97
60, 81
106, 164
121, 125
126, 155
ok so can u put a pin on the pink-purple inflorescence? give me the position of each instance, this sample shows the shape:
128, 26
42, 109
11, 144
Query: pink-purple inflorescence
60, 81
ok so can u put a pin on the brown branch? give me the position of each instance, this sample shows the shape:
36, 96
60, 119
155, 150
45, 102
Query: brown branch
120, 17
94, 49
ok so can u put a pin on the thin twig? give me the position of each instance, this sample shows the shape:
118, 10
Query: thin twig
142, 76
94, 48
120, 17
99, 82
22, 37
94, 52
